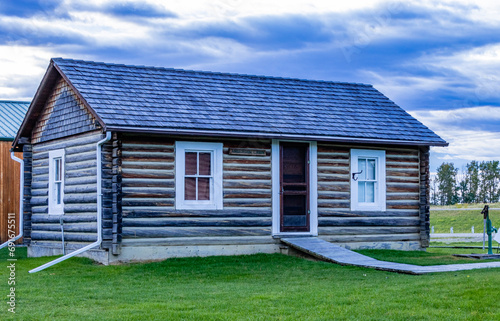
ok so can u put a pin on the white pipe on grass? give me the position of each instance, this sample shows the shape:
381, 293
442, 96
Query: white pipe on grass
21, 202
99, 212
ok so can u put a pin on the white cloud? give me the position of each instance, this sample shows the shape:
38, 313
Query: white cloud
469, 145
219, 48
105, 30
400, 87
451, 119
464, 144
21, 68
199, 9
480, 65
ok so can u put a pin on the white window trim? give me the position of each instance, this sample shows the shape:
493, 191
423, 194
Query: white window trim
380, 188
56, 209
313, 188
216, 203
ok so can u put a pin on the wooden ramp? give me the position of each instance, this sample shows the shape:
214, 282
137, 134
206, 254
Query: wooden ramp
327, 251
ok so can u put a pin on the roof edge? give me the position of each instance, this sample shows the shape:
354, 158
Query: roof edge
14, 101
194, 71
47, 77
193, 132
78, 94
41, 95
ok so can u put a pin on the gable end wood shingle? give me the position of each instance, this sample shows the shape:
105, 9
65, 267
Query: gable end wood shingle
63, 115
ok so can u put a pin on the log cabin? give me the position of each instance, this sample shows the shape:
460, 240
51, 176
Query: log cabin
156, 163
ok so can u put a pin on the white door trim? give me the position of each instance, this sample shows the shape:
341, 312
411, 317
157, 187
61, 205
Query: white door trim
313, 188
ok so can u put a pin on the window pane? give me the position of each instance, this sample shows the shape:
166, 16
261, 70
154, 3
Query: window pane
203, 189
361, 191
57, 167
362, 169
57, 187
191, 163
370, 169
190, 188
205, 164
370, 192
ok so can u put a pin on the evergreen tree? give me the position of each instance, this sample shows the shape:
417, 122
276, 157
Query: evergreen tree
434, 192
489, 188
471, 183
446, 180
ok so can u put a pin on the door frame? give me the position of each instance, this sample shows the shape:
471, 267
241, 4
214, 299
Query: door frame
313, 188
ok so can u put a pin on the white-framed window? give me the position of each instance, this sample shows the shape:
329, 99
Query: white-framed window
368, 186
198, 175
56, 181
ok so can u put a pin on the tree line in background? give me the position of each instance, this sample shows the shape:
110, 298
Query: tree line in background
478, 182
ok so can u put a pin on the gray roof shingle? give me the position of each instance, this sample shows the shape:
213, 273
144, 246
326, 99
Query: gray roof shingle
11, 117
163, 100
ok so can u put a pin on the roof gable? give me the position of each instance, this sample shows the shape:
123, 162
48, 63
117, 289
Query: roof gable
64, 114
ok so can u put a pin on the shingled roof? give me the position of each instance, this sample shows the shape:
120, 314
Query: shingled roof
11, 117
164, 100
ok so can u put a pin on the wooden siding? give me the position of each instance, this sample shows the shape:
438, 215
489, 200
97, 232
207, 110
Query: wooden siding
63, 115
80, 191
148, 196
401, 220
9, 190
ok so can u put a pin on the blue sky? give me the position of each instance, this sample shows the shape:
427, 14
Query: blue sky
439, 60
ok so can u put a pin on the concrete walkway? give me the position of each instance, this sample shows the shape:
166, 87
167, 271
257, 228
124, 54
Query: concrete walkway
333, 253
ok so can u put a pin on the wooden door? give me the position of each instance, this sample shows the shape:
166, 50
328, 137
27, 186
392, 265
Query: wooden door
294, 187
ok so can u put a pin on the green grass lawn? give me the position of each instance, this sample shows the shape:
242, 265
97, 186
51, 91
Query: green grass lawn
461, 220
433, 256
255, 287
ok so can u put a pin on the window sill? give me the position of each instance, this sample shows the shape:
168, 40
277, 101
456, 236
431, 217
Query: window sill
372, 208
210, 206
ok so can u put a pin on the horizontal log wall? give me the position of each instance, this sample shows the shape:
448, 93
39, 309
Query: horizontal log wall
28, 169
148, 196
400, 222
80, 191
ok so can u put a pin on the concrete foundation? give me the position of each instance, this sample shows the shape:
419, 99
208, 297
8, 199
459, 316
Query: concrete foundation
100, 256
158, 253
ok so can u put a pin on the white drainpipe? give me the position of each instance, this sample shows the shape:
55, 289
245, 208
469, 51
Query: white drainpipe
21, 205
99, 212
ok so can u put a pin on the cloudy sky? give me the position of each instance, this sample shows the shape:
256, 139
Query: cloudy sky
439, 60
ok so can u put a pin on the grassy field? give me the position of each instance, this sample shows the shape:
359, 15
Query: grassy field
479, 205
461, 219
256, 287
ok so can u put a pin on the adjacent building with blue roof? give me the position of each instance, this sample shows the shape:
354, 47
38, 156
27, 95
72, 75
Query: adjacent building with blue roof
195, 163
11, 116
